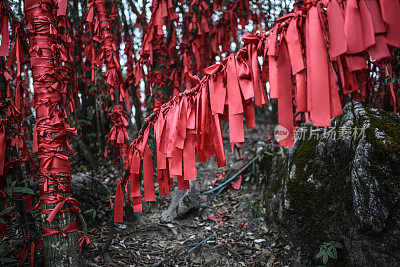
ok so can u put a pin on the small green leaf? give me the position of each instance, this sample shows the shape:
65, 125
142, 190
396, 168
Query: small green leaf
88, 211
325, 258
24, 190
329, 251
334, 252
320, 254
338, 245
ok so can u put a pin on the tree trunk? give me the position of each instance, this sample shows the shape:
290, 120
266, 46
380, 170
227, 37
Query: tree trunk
138, 108
118, 135
60, 235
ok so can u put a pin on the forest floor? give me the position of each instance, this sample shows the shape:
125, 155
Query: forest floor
238, 235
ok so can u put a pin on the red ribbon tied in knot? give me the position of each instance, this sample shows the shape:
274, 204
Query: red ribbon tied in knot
60, 200
68, 229
84, 240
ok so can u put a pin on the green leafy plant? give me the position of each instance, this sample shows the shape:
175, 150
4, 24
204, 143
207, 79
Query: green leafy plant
257, 208
96, 213
328, 250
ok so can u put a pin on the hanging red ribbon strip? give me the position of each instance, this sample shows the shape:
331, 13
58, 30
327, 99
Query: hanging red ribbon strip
29, 249
4, 30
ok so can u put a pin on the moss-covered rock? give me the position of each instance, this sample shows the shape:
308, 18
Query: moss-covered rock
345, 189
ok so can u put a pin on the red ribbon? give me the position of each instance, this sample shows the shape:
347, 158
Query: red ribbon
84, 239
119, 201
67, 229
29, 248
2, 144
4, 30
148, 177
59, 200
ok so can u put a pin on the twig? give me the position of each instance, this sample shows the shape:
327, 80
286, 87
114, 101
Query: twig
134, 8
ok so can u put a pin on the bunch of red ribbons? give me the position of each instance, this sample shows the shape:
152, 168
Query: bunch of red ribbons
118, 134
311, 58
194, 47
324, 47
160, 11
191, 120
113, 76
14, 104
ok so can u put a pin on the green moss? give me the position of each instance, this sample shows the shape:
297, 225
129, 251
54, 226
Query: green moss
389, 124
386, 152
301, 160
319, 193
276, 184
266, 163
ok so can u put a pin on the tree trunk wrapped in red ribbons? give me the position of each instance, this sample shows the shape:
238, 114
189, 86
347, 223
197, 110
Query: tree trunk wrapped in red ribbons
50, 77
118, 135
313, 57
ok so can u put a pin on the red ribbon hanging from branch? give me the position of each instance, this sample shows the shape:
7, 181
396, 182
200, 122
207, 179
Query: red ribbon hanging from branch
4, 31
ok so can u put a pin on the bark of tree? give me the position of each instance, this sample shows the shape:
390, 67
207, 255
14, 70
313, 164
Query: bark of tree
61, 249
138, 108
